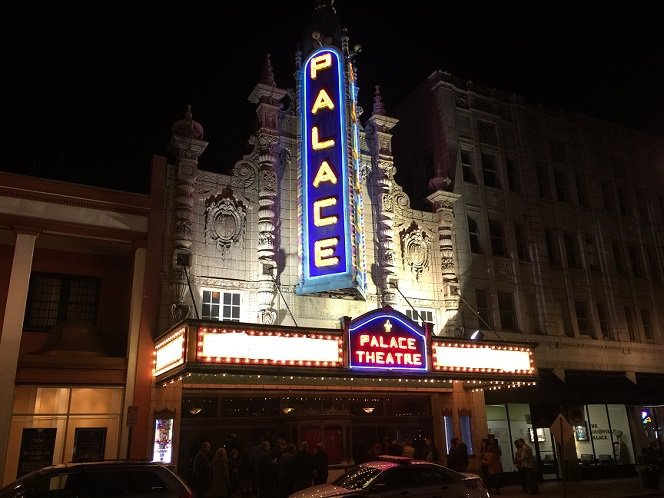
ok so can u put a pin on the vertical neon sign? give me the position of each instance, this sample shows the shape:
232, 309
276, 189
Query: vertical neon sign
326, 228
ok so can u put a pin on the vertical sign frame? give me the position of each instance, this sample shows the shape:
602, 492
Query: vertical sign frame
327, 262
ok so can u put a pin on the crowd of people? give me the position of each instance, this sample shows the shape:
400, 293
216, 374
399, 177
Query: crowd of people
276, 471
261, 471
420, 449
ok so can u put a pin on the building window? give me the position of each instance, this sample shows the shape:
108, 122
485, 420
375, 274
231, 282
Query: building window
618, 256
557, 151
507, 312
552, 251
625, 202
482, 302
497, 238
542, 183
604, 323
467, 167
220, 305
619, 169
567, 319
607, 198
581, 191
631, 326
474, 235
532, 313
591, 252
642, 203
54, 298
653, 265
521, 242
635, 261
582, 319
421, 317
487, 132
648, 331
560, 180
490, 171
572, 250
513, 177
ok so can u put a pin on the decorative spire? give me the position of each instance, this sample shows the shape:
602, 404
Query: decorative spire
378, 107
268, 75
187, 127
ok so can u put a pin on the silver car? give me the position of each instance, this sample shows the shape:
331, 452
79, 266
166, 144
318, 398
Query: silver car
399, 477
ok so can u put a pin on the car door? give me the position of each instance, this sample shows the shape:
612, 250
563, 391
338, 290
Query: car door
418, 481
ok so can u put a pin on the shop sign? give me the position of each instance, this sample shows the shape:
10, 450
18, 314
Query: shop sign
36, 451
170, 351
245, 347
482, 358
89, 444
325, 194
387, 341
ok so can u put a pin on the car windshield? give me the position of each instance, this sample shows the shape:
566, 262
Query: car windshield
358, 477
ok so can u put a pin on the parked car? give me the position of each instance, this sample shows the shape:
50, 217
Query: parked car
392, 477
107, 479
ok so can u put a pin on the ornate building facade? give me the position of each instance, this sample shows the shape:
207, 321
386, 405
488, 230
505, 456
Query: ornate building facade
303, 297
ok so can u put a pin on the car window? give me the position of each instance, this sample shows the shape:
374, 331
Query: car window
87, 484
428, 476
136, 482
397, 478
358, 477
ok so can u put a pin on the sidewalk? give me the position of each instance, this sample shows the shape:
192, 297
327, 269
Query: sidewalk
604, 488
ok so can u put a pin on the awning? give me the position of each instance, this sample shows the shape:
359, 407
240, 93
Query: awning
654, 385
548, 390
607, 387
585, 388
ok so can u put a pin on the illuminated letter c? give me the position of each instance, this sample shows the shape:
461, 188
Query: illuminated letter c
319, 220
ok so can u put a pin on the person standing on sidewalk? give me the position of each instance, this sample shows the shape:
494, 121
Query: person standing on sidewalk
494, 470
526, 461
200, 475
457, 459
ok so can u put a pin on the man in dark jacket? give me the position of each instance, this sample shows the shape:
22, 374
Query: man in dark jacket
200, 474
320, 464
457, 459
303, 468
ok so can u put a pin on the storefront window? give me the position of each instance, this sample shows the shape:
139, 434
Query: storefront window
600, 433
498, 426
50, 421
466, 433
622, 438
449, 431
649, 420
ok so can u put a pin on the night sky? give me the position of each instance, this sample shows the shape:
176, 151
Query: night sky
92, 88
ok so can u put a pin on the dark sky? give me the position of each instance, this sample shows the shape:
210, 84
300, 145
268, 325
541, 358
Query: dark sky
92, 88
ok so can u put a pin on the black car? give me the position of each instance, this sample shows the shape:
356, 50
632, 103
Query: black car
108, 479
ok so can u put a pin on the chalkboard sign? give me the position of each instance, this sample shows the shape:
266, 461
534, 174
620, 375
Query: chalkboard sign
37, 447
89, 444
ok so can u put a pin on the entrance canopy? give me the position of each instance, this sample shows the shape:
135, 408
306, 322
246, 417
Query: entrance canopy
383, 345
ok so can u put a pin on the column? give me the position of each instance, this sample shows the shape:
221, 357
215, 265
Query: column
12, 330
136, 304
